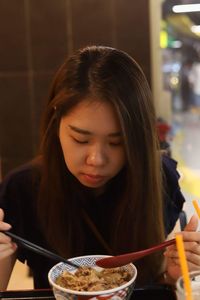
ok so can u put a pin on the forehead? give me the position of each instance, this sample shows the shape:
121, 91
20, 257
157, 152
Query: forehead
94, 115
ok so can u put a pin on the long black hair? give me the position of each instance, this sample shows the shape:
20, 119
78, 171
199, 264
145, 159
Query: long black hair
113, 76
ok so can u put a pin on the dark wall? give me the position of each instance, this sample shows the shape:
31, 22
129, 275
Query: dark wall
35, 37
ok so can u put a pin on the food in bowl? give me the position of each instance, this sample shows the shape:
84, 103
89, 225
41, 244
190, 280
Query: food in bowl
120, 292
91, 279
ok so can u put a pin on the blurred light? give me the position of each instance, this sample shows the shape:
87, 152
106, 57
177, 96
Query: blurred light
176, 67
163, 39
186, 8
176, 44
174, 81
196, 29
171, 67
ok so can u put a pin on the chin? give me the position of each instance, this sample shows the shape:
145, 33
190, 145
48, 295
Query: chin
94, 186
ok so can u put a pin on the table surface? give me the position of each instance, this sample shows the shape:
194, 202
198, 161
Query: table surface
158, 292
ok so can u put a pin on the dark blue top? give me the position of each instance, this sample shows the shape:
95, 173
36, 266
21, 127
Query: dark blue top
17, 197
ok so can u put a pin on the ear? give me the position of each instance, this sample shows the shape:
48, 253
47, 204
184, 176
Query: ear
193, 224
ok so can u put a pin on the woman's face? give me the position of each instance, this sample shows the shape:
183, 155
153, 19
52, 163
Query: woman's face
92, 143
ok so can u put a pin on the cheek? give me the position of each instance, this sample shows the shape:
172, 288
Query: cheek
73, 155
119, 159
70, 161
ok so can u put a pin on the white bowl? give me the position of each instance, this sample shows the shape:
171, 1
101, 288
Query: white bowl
119, 293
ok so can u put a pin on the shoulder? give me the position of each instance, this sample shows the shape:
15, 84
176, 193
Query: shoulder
23, 173
18, 199
171, 176
170, 171
173, 197
20, 181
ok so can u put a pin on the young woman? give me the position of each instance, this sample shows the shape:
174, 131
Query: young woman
100, 185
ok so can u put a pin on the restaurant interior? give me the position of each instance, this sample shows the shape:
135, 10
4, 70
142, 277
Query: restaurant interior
165, 42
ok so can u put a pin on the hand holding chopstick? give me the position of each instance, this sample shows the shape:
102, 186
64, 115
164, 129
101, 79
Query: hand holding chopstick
39, 250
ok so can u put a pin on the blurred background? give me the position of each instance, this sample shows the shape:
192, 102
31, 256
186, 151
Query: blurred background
36, 36
180, 67
162, 35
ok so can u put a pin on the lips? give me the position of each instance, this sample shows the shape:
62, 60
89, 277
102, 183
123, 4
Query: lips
93, 179
94, 176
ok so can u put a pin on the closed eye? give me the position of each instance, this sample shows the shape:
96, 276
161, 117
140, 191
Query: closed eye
79, 141
115, 143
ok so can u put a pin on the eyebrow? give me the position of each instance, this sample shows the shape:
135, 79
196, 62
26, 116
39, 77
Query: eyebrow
87, 132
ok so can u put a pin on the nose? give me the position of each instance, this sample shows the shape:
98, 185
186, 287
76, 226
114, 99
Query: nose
97, 156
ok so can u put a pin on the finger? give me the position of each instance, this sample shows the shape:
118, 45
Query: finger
171, 247
4, 226
7, 253
188, 246
8, 246
171, 254
191, 266
193, 224
1, 214
174, 261
191, 257
191, 246
4, 238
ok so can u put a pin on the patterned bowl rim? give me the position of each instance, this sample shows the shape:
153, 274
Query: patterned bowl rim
82, 293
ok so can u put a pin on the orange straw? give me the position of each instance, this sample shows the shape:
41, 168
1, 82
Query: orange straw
184, 266
197, 208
